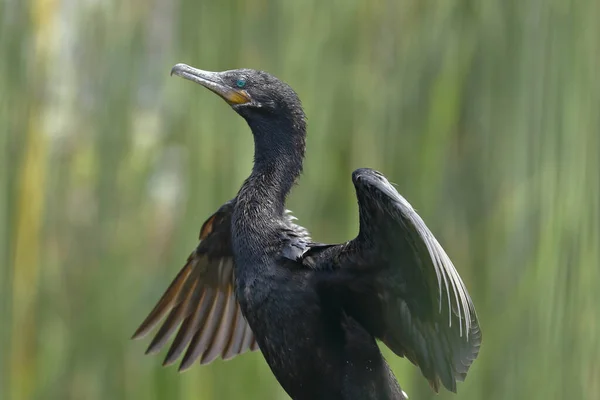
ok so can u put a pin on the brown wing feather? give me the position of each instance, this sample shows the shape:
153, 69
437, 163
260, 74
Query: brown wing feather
201, 303
164, 305
237, 334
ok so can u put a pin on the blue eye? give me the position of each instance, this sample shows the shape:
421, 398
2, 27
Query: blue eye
241, 83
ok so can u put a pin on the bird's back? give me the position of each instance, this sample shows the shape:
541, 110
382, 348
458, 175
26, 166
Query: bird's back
314, 349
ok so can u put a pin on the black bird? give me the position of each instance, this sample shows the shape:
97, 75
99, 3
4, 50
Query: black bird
256, 280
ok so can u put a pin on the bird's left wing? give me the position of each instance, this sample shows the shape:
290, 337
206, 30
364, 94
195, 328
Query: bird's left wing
201, 299
395, 279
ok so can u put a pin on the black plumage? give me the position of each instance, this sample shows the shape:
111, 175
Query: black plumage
257, 280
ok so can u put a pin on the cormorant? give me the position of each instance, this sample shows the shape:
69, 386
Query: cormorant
257, 280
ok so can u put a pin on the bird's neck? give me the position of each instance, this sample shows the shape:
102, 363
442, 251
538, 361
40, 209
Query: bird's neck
278, 158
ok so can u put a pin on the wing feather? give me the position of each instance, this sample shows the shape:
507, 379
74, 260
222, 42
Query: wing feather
201, 303
400, 284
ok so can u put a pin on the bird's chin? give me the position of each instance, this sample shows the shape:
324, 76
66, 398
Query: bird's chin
247, 109
241, 109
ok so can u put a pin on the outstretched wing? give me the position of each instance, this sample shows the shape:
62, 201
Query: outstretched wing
398, 282
201, 300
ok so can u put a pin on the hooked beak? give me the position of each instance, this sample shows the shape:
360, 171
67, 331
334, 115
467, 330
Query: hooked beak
213, 82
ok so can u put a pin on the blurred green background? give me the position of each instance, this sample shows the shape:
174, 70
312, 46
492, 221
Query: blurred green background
486, 114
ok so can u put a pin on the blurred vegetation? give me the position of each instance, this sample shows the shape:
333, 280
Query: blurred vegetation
486, 114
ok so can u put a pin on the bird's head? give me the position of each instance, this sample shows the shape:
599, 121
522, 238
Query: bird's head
256, 95
272, 110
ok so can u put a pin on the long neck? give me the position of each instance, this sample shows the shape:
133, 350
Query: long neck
278, 157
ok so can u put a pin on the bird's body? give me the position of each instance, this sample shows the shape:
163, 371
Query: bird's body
312, 347
257, 280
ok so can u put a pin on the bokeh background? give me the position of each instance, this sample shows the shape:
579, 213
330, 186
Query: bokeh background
486, 114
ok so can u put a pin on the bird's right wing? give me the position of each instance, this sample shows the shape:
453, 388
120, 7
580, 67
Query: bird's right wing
201, 298
395, 279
